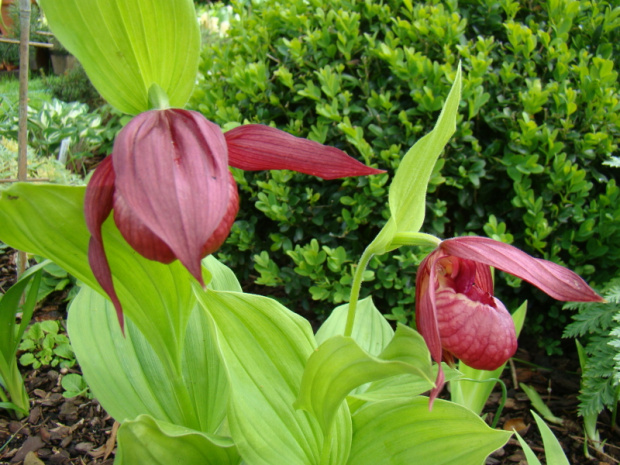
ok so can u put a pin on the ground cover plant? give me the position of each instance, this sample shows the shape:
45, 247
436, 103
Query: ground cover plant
240, 378
526, 165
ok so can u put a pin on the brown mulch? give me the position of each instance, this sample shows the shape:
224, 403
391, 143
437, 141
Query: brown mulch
79, 431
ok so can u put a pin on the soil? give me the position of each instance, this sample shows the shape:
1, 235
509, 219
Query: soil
79, 431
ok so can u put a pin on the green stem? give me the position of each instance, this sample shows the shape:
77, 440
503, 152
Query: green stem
400, 239
502, 401
417, 239
358, 277
158, 98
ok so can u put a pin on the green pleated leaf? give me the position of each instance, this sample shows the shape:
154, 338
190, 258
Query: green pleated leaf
404, 386
474, 394
265, 347
408, 189
222, 277
48, 220
149, 441
127, 377
127, 46
404, 431
371, 331
339, 365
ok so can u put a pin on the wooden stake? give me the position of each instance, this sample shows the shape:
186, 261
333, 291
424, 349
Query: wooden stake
22, 135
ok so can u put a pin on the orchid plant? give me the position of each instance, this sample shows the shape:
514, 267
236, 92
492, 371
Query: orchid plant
198, 371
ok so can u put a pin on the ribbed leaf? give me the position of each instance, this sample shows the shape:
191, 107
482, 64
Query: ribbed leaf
404, 431
127, 46
339, 365
371, 331
146, 440
127, 377
48, 220
408, 189
265, 348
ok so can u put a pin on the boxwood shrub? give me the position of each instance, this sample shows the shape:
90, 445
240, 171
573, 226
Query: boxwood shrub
538, 120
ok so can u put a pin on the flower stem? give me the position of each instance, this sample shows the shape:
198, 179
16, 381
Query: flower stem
358, 277
415, 238
158, 98
502, 401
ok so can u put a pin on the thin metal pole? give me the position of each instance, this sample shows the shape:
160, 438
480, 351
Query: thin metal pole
22, 136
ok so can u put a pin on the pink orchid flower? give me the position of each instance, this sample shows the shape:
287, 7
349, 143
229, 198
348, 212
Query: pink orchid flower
171, 191
456, 312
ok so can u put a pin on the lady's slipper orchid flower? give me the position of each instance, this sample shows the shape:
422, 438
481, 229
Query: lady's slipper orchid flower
456, 312
172, 194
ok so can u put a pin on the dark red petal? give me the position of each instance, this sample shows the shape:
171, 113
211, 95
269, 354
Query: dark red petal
97, 207
138, 236
172, 171
223, 230
555, 280
425, 308
255, 147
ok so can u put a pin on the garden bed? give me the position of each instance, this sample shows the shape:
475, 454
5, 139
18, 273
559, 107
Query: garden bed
79, 431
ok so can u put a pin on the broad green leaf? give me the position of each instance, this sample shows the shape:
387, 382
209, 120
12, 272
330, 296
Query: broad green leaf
149, 441
404, 431
265, 347
127, 46
371, 331
404, 386
339, 365
222, 277
407, 197
474, 394
48, 220
127, 377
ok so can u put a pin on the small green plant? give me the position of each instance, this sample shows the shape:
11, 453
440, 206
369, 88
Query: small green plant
13, 394
74, 385
553, 449
69, 132
44, 345
597, 325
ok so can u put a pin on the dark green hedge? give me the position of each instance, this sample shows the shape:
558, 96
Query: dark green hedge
539, 117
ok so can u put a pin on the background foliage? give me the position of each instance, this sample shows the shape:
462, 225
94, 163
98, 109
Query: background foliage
539, 118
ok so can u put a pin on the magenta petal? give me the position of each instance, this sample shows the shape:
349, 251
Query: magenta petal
223, 230
426, 310
480, 335
172, 171
97, 207
138, 236
256, 147
555, 280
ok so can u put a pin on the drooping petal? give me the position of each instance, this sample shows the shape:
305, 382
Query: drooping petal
98, 202
555, 280
223, 230
172, 171
426, 316
255, 147
426, 310
135, 232
480, 335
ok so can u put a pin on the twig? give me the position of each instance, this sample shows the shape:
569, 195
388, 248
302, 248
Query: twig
596, 451
513, 372
25, 180
34, 44
12, 437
